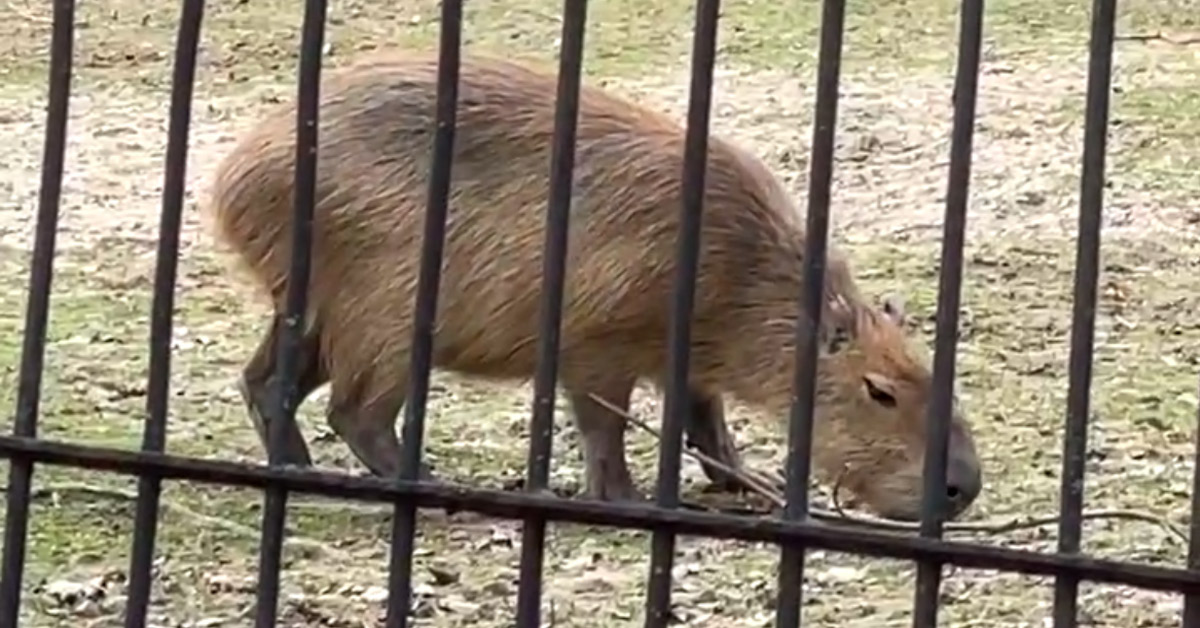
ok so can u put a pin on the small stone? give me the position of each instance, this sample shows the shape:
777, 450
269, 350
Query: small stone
65, 592
442, 575
375, 595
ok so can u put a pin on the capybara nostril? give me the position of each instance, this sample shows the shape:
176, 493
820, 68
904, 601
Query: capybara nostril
964, 482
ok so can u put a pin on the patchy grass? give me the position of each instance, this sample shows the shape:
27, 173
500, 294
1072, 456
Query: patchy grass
1162, 153
889, 188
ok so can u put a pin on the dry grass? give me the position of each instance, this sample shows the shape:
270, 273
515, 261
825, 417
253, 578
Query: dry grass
890, 182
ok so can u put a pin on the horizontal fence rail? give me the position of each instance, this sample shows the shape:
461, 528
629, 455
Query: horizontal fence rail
514, 505
795, 532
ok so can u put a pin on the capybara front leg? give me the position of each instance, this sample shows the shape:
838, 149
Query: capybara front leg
365, 419
606, 472
708, 432
260, 390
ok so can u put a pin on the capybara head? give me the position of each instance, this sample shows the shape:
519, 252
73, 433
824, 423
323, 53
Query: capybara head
873, 396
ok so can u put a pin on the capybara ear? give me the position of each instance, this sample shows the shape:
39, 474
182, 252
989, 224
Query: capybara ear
893, 308
841, 325
838, 308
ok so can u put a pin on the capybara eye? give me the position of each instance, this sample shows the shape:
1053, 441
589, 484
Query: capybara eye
881, 396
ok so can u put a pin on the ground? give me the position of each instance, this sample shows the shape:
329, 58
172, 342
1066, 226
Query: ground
890, 181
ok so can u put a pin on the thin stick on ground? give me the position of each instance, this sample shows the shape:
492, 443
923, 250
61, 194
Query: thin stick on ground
208, 520
762, 487
27, 14
1159, 36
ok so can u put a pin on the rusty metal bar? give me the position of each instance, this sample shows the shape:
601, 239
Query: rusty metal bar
941, 403
154, 437
293, 321
404, 519
37, 310
1083, 320
1191, 603
791, 566
541, 429
676, 404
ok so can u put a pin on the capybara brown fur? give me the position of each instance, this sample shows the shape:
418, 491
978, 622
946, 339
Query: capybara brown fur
376, 135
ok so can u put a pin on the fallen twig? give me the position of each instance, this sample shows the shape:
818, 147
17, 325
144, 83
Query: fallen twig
762, 487
1158, 36
751, 479
27, 15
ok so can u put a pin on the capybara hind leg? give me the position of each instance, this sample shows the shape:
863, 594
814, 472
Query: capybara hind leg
606, 472
261, 392
708, 432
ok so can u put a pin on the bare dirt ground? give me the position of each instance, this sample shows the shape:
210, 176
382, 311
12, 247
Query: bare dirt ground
890, 181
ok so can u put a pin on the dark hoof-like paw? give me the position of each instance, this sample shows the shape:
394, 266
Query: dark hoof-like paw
295, 460
627, 494
424, 474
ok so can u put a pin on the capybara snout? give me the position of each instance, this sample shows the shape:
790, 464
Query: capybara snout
376, 125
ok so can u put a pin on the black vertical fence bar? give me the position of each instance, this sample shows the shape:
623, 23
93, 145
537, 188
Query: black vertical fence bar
1191, 603
933, 502
662, 552
37, 312
541, 429
1083, 323
154, 436
404, 519
820, 179
293, 321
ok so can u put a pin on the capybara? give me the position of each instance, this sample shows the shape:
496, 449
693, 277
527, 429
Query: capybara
376, 135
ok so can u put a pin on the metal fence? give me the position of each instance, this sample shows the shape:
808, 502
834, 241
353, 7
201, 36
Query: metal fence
794, 532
